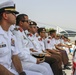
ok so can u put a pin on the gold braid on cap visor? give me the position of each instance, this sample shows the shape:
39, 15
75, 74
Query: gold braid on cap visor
11, 9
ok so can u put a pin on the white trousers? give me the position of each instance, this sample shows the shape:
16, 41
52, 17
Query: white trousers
32, 73
43, 68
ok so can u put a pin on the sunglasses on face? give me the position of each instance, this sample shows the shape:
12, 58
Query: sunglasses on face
34, 27
9, 12
25, 21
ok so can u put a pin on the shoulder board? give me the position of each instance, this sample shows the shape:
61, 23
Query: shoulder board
29, 35
40, 39
20, 29
16, 29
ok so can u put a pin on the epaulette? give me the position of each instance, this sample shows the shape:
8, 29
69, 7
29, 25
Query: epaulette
40, 39
18, 29
29, 34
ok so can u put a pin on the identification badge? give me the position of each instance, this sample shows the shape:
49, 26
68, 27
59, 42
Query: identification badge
3, 45
12, 42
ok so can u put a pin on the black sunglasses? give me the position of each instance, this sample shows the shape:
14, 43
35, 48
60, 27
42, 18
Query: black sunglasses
26, 21
10, 12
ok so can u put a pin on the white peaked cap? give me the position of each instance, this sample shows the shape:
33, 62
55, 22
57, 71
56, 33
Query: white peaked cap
7, 5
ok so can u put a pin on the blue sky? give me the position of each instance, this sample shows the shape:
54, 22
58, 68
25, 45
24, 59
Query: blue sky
51, 12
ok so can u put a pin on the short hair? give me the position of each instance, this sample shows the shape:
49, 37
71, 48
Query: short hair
1, 15
65, 37
52, 31
19, 18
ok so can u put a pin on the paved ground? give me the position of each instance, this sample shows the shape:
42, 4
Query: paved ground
69, 72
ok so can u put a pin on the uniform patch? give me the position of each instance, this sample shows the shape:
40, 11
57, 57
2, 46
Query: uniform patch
29, 35
48, 41
16, 29
40, 39
21, 30
12, 42
3, 45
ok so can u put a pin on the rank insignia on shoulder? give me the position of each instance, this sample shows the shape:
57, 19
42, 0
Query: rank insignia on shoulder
30, 35
16, 29
48, 41
40, 39
12, 42
21, 30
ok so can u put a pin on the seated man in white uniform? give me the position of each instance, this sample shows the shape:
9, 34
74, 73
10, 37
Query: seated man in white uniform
8, 55
28, 61
52, 47
6, 12
60, 45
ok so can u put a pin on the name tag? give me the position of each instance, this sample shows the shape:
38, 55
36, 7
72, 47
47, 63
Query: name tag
12, 42
3, 45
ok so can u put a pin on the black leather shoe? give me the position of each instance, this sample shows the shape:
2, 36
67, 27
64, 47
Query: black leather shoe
66, 67
69, 64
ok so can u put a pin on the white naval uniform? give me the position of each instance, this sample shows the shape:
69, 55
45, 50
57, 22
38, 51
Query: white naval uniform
38, 46
50, 43
5, 50
57, 41
16, 48
42, 43
65, 48
35, 42
28, 61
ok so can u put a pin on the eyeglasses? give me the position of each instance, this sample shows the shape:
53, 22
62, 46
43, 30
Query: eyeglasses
25, 21
9, 12
34, 27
